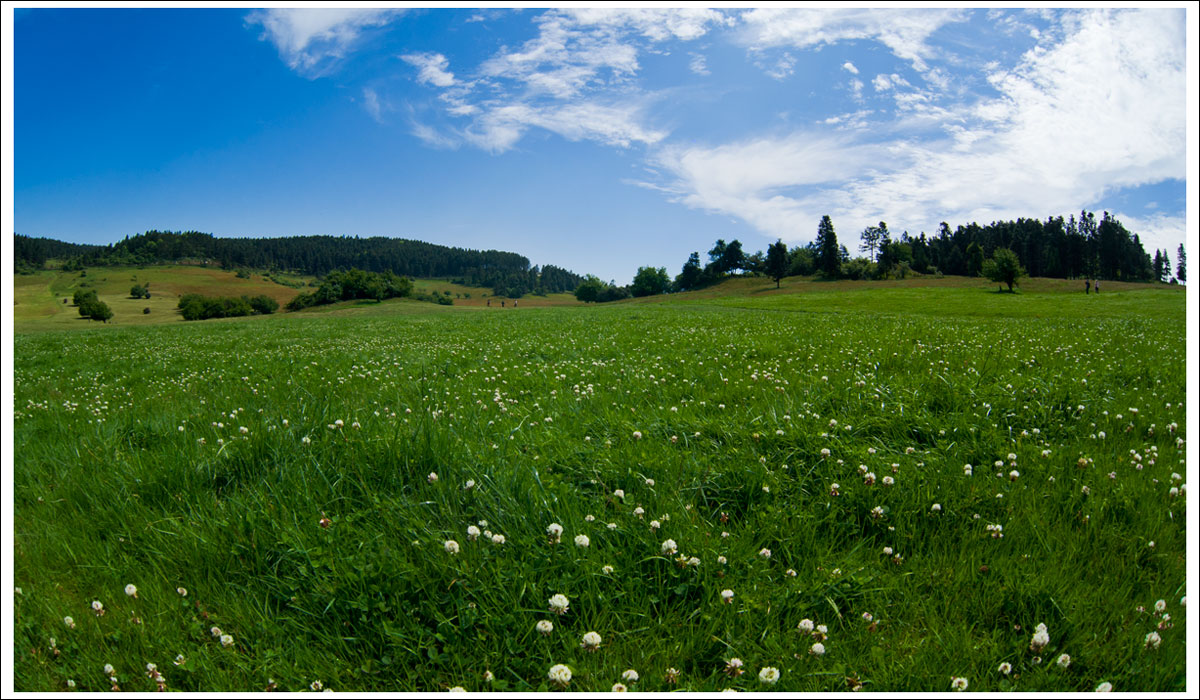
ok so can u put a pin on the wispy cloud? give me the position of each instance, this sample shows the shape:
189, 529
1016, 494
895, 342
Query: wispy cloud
1102, 110
372, 105
311, 40
432, 68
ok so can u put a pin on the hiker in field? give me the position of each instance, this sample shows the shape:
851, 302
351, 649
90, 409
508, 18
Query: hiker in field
489, 302
1097, 286
514, 303
1087, 289
502, 303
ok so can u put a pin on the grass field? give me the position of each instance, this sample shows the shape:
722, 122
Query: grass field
728, 487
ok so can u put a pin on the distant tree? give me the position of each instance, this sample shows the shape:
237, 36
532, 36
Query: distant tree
589, 289
649, 281
263, 304
689, 277
1181, 264
146, 310
829, 259
732, 258
1003, 267
82, 294
777, 261
1158, 266
801, 260
974, 259
138, 291
755, 263
1166, 263
872, 237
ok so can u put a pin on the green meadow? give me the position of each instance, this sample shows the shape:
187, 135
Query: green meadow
831, 486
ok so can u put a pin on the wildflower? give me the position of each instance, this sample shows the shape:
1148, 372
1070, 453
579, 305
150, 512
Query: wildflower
554, 532
109, 670
69, 622
451, 547
582, 541
98, 607
639, 511
669, 547
497, 538
131, 590
650, 482
227, 640
877, 512
764, 553
887, 551
1013, 475
630, 676
545, 627
727, 595
488, 676
316, 685
1063, 660
654, 524
619, 688
472, 533
590, 641
867, 617
825, 452
1160, 606
967, 471
607, 569
805, 626
457, 689
71, 683
1104, 687
637, 435
937, 508
432, 478
672, 675
1041, 637
179, 660
181, 591
559, 603
560, 675
1153, 640
722, 560
959, 684
888, 481
1005, 668
469, 485
792, 573
215, 631
733, 667
693, 561
619, 493
769, 675
817, 649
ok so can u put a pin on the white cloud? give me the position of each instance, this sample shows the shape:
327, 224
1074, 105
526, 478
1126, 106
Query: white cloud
498, 129
848, 66
1102, 110
431, 68
905, 31
311, 40
699, 64
371, 104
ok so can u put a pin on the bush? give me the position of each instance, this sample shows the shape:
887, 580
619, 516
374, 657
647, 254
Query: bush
146, 310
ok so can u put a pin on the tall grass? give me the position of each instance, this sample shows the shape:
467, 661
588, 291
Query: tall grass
210, 458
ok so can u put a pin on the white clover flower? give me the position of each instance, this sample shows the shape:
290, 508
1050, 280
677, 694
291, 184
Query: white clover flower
619, 688
1153, 640
619, 493
180, 660
469, 485
768, 675
959, 683
639, 511
559, 603
432, 478
637, 435
805, 626
488, 676
1005, 668
654, 524
817, 649
727, 595
559, 675
98, 607
607, 569
1104, 687
131, 590
227, 640
1041, 637
451, 547
722, 560
764, 553
650, 482
215, 631
181, 591
109, 670
1063, 660
554, 530
590, 641
630, 676
582, 541
545, 627
457, 689
69, 622
693, 561
669, 547
937, 508
497, 538
1160, 606
472, 533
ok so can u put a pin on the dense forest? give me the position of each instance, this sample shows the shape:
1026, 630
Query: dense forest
1068, 248
508, 274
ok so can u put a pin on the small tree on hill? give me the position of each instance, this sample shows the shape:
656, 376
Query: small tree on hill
650, 281
1181, 264
1003, 267
829, 256
778, 261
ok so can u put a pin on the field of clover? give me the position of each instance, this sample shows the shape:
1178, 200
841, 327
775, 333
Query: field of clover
638, 497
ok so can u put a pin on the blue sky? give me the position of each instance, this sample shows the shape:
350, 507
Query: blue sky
597, 140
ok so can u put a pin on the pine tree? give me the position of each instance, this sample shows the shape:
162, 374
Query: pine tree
830, 260
777, 261
1181, 264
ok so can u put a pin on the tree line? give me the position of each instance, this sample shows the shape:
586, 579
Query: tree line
508, 274
1003, 251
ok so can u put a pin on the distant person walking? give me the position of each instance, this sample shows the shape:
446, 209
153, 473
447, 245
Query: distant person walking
1097, 286
489, 302
502, 303
514, 303
1088, 287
